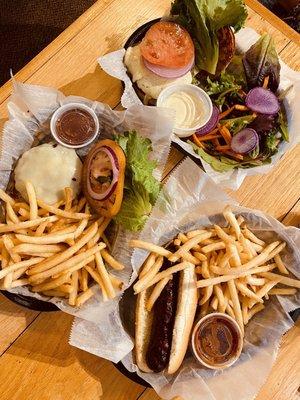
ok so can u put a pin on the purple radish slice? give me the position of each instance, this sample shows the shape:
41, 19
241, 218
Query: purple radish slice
170, 73
211, 124
262, 101
244, 141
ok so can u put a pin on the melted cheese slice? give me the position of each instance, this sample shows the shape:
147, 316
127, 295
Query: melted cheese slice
50, 168
150, 83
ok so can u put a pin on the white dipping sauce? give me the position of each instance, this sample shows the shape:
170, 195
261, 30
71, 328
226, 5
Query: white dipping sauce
188, 108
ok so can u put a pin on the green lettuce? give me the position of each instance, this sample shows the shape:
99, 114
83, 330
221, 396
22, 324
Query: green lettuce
141, 187
225, 85
237, 124
203, 19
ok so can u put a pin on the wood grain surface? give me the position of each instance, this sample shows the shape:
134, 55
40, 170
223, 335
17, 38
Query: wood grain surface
36, 361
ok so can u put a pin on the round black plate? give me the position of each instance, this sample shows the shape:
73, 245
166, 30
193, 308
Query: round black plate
30, 302
138, 34
131, 375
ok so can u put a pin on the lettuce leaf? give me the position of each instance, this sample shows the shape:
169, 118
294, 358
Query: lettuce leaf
260, 61
141, 187
203, 19
237, 124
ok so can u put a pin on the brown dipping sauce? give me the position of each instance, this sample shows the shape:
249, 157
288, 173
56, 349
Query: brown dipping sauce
75, 126
216, 341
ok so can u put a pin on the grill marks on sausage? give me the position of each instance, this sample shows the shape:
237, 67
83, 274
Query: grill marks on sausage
158, 353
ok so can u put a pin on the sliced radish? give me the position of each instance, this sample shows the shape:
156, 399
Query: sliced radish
170, 73
262, 101
211, 124
244, 141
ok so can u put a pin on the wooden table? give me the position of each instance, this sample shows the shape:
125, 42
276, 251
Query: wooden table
36, 361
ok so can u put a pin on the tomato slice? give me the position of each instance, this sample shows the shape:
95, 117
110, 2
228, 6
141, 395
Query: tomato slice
168, 44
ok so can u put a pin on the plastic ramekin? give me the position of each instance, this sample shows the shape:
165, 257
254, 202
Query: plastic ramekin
234, 325
198, 92
71, 106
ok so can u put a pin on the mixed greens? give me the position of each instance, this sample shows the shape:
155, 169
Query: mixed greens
141, 187
252, 119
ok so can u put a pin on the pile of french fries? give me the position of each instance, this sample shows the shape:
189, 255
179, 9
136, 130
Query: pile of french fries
235, 268
56, 250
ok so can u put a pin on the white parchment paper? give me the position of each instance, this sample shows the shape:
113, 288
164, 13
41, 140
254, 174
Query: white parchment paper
189, 200
30, 109
113, 64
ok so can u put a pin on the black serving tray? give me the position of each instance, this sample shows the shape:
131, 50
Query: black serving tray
30, 302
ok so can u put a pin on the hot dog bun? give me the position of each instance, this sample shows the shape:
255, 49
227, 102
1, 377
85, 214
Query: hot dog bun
185, 314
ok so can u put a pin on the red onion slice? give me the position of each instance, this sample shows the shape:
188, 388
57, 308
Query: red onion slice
244, 141
211, 124
262, 101
170, 73
115, 170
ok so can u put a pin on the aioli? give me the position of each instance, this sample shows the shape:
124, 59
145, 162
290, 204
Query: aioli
188, 107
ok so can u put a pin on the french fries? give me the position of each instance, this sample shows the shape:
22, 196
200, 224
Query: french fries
56, 250
235, 268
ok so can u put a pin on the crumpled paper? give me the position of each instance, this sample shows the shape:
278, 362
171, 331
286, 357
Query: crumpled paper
190, 200
112, 63
30, 109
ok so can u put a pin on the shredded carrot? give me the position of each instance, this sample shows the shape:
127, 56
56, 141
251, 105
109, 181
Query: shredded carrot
205, 138
239, 107
197, 141
216, 142
266, 82
225, 147
226, 134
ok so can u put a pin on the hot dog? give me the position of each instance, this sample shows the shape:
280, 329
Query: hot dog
162, 335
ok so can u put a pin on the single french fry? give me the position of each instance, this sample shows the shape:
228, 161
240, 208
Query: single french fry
183, 238
116, 282
283, 279
245, 312
150, 247
161, 275
149, 262
226, 278
281, 267
84, 280
254, 310
64, 266
199, 256
230, 311
65, 255
97, 278
68, 198
204, 309
18, 265
109, 289
206, 294
84, 297
250, 235
55, 293
195, 232
111, 261
283, 291
32, 200
10, 213
9, 245
46, 239
148, 276
236, 304
27, 224
156, 292
221, 299
81, 227
214, 303
225, 260
61, 213
213, 247
19, 273
231, 219
263, 291
240, 220
74, 292
234, 260
253, 280
6, 198
65, 288
247, 292
53, 284
16, 283
27, 248
41, 228
223, 235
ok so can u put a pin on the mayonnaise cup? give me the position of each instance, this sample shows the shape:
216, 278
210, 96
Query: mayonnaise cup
192, 105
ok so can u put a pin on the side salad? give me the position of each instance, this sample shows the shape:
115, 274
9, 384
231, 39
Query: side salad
249, 119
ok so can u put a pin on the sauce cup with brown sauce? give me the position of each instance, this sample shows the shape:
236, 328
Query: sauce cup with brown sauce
74, 125
217, 341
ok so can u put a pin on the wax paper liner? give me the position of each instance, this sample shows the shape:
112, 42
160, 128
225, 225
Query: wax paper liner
30, 109
190, 200
113, 64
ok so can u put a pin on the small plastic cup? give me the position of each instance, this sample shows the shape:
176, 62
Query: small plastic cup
236, 331
199, 93
71, 106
